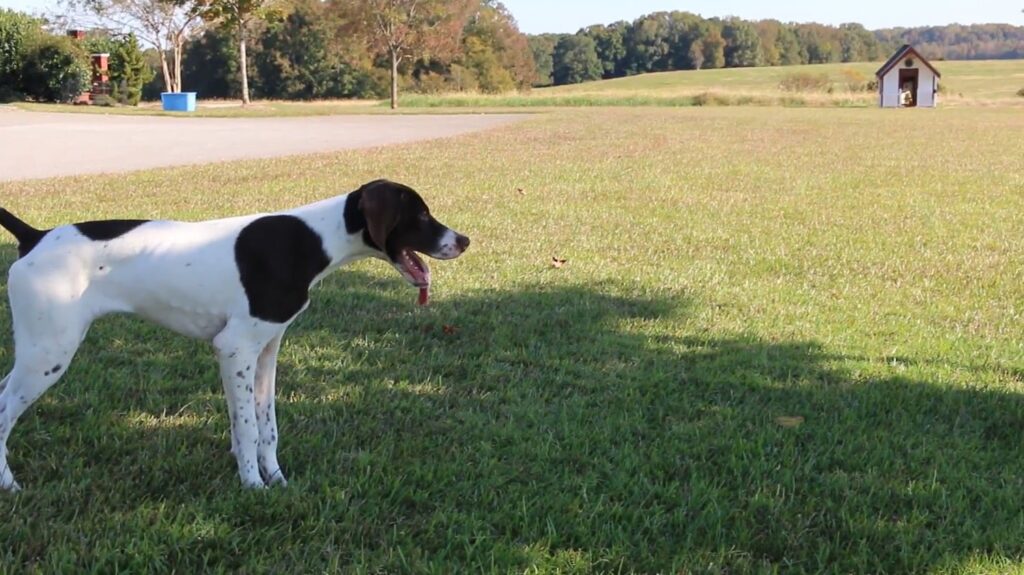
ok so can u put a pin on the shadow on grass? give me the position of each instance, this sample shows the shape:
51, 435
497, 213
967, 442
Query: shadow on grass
558, 428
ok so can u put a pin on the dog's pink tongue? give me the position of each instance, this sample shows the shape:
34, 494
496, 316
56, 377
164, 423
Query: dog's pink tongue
424, 295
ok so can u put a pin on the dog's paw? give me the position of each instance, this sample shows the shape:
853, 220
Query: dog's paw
250, 484
274, 478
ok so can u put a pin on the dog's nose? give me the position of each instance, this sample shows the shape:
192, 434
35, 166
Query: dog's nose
462, 241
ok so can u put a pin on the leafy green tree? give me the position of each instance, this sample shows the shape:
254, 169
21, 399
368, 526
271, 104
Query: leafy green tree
788, 47
298, 59
129, 71
238, 16
576, 61
742, 44
649, 44
610, 43
714, 47
497, 52
402, 30
490, 76
211, 64
17, 32
543, 49
56, 69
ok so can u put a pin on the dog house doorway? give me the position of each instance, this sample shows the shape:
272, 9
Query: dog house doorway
908, 87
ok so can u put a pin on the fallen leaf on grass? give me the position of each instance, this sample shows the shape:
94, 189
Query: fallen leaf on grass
521, 191
450, 330
789, 422
558, 263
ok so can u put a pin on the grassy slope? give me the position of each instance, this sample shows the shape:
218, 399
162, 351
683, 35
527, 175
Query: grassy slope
975, 79
725, 267
964, 83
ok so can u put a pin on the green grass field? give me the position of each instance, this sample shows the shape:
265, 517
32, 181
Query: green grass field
729, 270
964, 83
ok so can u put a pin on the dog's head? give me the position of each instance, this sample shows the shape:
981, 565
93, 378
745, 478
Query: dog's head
399, 226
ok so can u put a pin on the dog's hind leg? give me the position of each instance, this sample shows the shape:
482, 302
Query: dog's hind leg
266, 414
38, 364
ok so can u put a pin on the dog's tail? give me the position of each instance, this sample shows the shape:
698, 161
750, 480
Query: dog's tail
26, 235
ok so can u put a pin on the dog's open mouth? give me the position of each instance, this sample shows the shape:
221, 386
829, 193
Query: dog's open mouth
416, 272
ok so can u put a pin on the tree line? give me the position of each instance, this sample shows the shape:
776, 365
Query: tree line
666, 41
325, 49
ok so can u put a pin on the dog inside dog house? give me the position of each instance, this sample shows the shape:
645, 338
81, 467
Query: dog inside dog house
908, 80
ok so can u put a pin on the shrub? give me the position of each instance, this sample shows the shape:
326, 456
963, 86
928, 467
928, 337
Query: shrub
104, 100
1020, 92
17, 32
854, 81
805, 82
56, 70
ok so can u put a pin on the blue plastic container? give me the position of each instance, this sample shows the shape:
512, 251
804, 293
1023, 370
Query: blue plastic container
178, 101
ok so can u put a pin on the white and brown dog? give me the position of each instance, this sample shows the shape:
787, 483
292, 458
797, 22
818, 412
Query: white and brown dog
238, 282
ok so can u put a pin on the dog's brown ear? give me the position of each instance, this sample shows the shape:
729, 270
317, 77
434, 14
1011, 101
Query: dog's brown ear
380, 205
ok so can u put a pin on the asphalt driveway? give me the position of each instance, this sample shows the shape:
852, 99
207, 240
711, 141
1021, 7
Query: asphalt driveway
42, 145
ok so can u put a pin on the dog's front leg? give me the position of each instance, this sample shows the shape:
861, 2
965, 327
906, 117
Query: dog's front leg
266, 414
238, 348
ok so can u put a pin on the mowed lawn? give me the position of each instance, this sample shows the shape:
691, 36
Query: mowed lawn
784, 340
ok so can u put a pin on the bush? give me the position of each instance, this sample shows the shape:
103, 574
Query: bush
17, 33
854, 81
1020, 92
804, 82
104, 101
56, 70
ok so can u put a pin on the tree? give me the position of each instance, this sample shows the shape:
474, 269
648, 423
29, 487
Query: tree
409, 29
237, 16
714, 48
543, 49
17, 32
56, 69
129, 72
788, 47
128, 69
648, 44
610, 42
164, 24
211, 64
696, 54
576, 61
742, 44
495, 49
303, 57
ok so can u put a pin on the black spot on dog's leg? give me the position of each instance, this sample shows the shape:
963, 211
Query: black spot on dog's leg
240, 374
56, 368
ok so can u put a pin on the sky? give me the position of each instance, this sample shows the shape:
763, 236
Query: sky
537, 16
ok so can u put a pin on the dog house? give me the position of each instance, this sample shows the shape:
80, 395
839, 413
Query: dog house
908, 80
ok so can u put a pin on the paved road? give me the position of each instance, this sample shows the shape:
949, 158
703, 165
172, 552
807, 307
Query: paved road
42, 145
